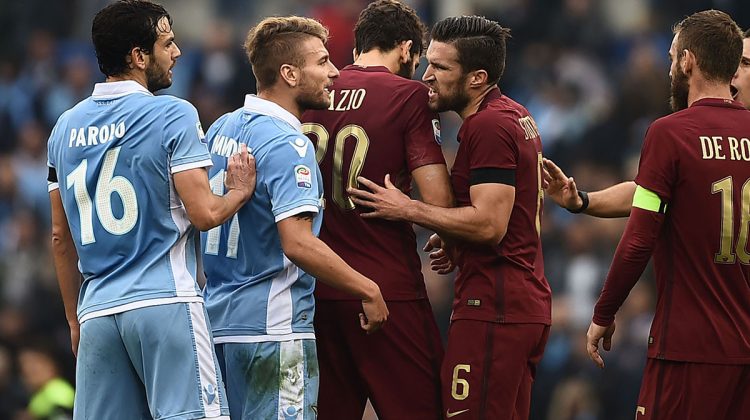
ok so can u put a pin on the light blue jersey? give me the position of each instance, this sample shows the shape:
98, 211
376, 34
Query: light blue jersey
253, 292
114, 155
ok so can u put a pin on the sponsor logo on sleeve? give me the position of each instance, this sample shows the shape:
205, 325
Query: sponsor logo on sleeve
300, 146
303, 176
436, 130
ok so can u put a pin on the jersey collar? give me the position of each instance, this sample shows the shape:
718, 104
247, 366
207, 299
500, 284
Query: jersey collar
115, 89
493, 94
720, 102
261, 106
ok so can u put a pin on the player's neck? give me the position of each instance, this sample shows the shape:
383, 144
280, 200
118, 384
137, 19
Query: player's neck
475, 101
136, 77
287, 102
701, 89
375, 58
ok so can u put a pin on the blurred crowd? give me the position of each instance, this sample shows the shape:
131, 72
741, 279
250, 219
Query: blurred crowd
593, 73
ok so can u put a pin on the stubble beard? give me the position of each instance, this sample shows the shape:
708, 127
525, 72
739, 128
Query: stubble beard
156, 78
680, 88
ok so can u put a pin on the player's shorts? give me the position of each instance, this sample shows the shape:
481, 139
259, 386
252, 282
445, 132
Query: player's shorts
155, 362
687, 391
271, 380
489, 369
397, 367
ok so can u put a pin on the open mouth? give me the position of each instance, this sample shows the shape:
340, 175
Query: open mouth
734, 91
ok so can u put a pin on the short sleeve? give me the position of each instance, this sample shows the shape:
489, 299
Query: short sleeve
657, 169
292, 177
184, 138
491, 143
422, 132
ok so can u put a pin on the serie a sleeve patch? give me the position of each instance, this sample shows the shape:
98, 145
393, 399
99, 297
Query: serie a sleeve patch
648, 200
492, 176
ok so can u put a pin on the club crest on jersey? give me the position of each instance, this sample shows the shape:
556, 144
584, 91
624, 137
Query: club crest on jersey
303, 176
201, 134
436, 130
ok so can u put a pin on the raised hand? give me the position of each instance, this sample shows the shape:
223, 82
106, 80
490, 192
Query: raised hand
560, 188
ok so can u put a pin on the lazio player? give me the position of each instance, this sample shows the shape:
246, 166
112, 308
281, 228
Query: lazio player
261, 265
128, 188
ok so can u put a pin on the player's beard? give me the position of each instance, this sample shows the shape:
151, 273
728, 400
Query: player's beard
310, 97
406, 70
454, 100
157, 78
680, 88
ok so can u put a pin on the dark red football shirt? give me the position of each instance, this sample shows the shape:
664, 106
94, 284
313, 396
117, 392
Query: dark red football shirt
502, 283
698, 161
378, 123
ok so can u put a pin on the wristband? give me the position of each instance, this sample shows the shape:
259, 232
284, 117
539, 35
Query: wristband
585, 198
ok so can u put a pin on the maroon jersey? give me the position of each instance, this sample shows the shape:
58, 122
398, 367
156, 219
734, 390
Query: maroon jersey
378, 123
698, 162
502, 283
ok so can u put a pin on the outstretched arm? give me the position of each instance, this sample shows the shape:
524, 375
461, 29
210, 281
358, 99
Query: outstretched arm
484, 221
315, 257
614, 201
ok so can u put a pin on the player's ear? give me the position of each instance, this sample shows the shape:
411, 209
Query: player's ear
290, 74
405, 51
355, 54
687, 62
478, 78
137, 59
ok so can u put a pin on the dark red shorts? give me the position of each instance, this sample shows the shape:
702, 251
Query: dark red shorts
686, 391
489, 368
397, 368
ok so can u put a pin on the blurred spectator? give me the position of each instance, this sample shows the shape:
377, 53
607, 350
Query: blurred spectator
51, 395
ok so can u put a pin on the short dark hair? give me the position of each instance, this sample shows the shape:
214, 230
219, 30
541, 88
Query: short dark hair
384, 24
275, 41
480, 43
747, 33
122, 26
715, 40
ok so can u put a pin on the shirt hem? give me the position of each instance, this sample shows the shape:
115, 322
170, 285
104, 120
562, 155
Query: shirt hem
262, 338
137, 305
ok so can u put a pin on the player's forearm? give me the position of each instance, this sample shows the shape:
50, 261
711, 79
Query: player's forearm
631, 258
68, 277
218, 210
614, 201
315, 257
464, 223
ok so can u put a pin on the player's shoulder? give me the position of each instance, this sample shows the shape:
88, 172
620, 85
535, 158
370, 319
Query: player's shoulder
384, 79
172, 103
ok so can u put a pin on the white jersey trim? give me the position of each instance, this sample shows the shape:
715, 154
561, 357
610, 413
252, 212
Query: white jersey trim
51, 186
256, 105
263, 338
204, 348
184, 283
297, 210
192, 165
137, 305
